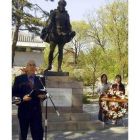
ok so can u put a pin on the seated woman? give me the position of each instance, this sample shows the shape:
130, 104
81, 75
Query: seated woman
102, 87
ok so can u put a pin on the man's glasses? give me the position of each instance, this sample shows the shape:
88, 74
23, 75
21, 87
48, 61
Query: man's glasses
32, 65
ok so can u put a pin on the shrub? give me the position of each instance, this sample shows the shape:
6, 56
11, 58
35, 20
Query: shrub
85, 99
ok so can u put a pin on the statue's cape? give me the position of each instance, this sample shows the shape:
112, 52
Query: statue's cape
48, 34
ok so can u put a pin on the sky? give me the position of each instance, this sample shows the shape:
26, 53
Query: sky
75, 8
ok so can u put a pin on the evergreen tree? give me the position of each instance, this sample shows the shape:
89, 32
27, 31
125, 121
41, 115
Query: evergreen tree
23, 19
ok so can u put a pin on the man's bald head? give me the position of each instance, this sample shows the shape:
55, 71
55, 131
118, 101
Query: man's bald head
29, 62
31, 67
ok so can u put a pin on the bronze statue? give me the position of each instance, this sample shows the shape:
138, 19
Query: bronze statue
58, 31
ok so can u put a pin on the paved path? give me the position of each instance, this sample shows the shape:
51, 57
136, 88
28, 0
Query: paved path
111, 132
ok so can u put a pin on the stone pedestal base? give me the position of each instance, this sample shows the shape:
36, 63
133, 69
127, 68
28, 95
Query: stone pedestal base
60, 80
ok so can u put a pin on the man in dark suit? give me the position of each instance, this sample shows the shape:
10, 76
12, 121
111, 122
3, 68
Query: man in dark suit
29, 109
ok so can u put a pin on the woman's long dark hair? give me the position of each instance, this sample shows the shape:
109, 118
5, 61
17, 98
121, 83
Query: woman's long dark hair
103, 76
119, 76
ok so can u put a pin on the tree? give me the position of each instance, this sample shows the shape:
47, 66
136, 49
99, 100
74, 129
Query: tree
109, 30
117, 27
23, 19
94, 63
80, 40
96, 31
108, 33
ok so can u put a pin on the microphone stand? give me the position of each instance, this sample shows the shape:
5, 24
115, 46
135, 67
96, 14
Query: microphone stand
46, 98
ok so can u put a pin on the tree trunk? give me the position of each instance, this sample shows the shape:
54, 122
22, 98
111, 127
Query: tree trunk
94, 80
123, 71
15, 39
75, 61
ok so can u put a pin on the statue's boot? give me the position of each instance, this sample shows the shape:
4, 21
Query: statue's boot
59, 66
49, 67
49, 64
59, 70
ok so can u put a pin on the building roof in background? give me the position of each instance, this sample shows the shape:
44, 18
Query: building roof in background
27, 40
25, 37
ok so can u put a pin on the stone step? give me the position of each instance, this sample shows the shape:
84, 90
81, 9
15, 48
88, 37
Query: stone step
60, 78
63, 117
75, 125
55, 74
65, 122
68, 117
67, 126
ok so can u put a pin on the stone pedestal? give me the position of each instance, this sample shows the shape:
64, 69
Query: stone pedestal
61, 83
67, 95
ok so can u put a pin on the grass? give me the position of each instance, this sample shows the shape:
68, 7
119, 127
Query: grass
88, 97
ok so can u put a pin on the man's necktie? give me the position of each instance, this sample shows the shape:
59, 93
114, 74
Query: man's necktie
31, 81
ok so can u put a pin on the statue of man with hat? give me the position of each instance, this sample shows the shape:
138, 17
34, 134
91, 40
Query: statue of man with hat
58, 31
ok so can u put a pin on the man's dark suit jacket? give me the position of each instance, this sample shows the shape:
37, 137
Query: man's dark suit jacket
121, 87
27, 109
